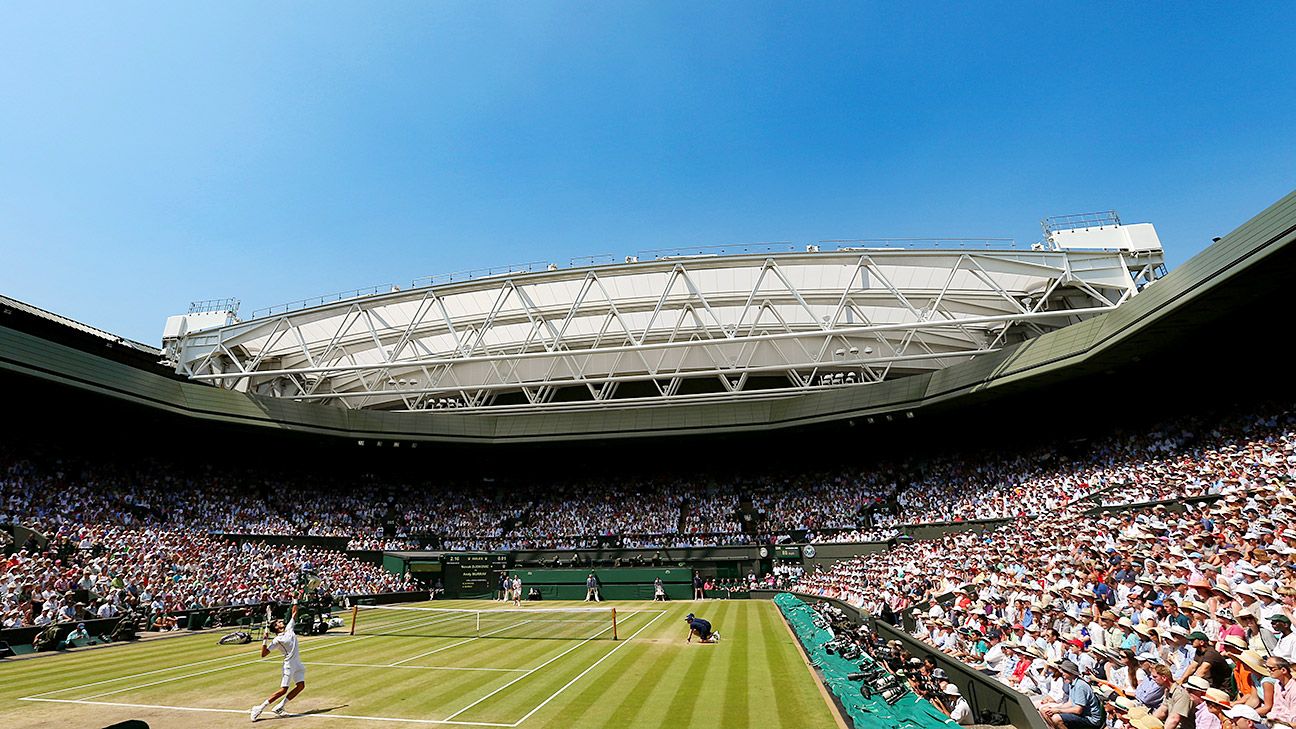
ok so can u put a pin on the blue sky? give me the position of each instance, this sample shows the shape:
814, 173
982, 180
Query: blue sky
152, 154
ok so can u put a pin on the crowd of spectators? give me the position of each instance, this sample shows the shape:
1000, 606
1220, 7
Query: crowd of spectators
1180, 459
576, 510
100, 571
852, 536
150, 534
1163, 614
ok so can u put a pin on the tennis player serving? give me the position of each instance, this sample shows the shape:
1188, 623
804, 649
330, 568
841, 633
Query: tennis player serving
294, 672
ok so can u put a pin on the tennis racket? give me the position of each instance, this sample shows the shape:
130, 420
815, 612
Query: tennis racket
265, 631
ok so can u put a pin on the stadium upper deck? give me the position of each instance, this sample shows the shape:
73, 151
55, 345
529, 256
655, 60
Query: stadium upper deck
694, 344
700, 327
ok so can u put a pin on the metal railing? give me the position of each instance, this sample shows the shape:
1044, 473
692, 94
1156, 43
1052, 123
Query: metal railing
325, 299
1098, 219
437, 279
717, 250
209, 305
926, 243
595, 260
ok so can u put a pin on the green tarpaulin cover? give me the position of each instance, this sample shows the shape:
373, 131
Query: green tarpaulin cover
910, 711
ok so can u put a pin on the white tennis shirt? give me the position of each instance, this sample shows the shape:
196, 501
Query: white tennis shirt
286, 643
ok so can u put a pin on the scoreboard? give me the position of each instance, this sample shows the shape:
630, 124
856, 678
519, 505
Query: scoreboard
473, 574
790, 553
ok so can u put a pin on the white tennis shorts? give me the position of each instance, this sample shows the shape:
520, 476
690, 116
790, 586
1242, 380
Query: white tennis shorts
293, 675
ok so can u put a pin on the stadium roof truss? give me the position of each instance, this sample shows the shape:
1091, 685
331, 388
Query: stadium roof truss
664, 331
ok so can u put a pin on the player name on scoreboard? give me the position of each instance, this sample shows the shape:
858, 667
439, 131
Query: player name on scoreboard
470, 574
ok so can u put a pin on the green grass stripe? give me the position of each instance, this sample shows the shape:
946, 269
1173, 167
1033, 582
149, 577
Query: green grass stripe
754, 678
736, 638
683, 707
783, 661
529, 691
611, 694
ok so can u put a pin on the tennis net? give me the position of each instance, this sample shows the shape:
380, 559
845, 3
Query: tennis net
533, 623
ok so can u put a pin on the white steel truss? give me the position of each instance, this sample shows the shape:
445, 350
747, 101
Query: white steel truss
704, 328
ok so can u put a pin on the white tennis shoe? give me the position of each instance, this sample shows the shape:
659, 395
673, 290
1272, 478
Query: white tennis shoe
256, 711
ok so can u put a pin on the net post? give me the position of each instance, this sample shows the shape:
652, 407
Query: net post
614, 628
479, 623
355, 613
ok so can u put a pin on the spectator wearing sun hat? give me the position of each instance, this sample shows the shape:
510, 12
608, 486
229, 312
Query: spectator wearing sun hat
1198, 617
1126, 638
1178, 653
1124, 670
1258, 638
1103, 633
1246, 598
1228, 626
960, 711
1140, 718
1268, 600
1197, 688
1217, 702
1244, 717
1082, 708
1260, 687
1042, 683
1147, 633
1232, 650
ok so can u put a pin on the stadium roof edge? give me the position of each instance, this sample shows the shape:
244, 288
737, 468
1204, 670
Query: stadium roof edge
61, 320
1086, 346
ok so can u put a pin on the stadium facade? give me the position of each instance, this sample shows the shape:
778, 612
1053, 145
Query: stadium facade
685, 342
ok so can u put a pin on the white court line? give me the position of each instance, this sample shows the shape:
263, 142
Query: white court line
244, 712
462, 642
554, 695
427, 668
533, 670
397, 664
191, 665
236, 665
447, 721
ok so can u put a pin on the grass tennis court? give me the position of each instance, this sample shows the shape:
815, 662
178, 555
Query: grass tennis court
405, 668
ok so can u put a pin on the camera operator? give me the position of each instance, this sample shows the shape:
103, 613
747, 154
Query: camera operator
926, 685
960, 711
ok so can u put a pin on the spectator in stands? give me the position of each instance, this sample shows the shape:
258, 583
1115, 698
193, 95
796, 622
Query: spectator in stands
1177, 710
1284, 703
960, 711
1082, 707
1208, 662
